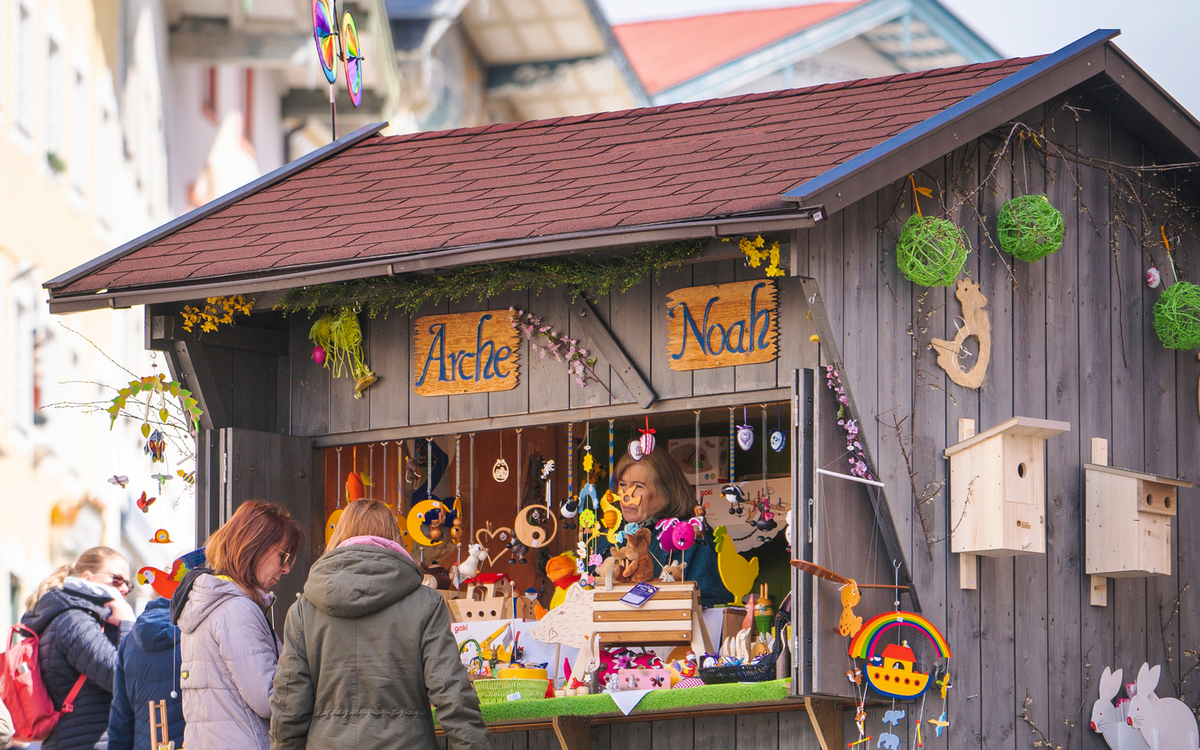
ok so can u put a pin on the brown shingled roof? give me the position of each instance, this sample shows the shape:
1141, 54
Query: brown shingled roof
391, 196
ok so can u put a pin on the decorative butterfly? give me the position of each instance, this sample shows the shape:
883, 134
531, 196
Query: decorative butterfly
119, 480
156, 447
144, 503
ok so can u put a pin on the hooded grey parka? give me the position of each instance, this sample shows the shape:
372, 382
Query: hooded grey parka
367, 649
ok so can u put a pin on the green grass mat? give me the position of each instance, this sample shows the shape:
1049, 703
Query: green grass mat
659, 700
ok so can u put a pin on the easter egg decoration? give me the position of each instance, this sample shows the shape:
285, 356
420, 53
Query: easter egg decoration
745, 437
635, 450
1153, 277
318, 354
500, 468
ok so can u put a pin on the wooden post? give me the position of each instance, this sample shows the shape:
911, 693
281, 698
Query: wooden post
826, 717
968, 565
1098, 587
573, 732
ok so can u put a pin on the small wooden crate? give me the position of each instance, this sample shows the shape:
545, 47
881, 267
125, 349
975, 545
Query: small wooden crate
670, 618
998, 490
1128, 521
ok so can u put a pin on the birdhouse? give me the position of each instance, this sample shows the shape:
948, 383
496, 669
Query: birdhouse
1128, 522
997, 491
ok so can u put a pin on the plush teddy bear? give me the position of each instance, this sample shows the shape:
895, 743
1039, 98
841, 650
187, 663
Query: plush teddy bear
639, 565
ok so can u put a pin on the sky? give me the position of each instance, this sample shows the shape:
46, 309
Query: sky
1160, 35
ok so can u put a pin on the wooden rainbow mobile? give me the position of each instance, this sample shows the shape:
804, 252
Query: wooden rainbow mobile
890, 669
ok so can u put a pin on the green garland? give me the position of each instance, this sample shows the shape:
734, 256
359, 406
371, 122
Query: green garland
600, 276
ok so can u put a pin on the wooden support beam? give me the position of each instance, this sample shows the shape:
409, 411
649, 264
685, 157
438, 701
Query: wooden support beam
826, 717
606, 344
167, 329
199, 379
574, 732
879, 503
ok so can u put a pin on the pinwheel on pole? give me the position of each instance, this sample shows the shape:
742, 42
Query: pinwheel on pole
333, 44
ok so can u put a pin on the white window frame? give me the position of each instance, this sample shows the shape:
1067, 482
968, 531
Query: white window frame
107, 159
24, 72
80, 119
52, 86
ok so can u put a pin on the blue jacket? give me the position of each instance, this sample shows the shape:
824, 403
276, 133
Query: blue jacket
701, 559
74, 639
147, 670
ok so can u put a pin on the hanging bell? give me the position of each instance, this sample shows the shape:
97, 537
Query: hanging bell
745, 437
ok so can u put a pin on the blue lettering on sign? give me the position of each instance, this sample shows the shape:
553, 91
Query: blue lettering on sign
715, 339
464, 365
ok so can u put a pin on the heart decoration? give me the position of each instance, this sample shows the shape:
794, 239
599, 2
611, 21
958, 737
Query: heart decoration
485, 535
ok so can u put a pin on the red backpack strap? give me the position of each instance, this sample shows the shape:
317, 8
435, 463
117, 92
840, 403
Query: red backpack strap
69, 703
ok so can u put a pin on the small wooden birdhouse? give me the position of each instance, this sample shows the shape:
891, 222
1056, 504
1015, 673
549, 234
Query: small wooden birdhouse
997, 491
1128, 522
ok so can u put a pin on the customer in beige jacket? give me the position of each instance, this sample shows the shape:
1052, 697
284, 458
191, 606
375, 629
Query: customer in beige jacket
228, 648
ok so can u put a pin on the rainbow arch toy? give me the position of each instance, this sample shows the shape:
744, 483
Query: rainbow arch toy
892, 672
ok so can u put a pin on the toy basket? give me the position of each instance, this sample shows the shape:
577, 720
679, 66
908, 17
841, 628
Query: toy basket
497, 690
761, 672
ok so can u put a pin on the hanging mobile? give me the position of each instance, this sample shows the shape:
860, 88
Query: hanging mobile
569, 507
745, 433
500, 468
733, 492
643, 445
336, 515
456, 527
778, 436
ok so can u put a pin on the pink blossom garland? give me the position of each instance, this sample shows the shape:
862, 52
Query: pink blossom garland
858, 456
565, 349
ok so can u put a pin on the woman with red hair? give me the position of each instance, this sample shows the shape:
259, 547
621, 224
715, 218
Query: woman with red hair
228, 645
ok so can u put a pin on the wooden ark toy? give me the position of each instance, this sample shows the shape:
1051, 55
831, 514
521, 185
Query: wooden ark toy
998, 491
488, 596
1128, 522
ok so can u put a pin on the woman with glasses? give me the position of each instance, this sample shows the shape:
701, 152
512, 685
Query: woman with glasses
80, 616
368, 650
228, 645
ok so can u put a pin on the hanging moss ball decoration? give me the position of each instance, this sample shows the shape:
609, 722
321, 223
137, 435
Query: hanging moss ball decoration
1177, 316
931, 252
1030, 228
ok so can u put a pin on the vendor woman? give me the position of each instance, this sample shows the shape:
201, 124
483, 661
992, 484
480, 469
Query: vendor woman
653, 488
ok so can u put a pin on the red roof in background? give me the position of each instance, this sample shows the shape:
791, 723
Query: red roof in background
393, 196
667, 53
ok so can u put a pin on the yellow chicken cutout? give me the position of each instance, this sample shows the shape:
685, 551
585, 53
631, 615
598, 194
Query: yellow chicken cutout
850, 624
737, 573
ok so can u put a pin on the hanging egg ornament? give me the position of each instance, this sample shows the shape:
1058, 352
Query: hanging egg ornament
647, 442
778, 440
1153, 277
318, 354
500, 470
745, 437
635, 450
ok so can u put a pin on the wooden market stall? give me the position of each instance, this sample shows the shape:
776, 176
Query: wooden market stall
937, 373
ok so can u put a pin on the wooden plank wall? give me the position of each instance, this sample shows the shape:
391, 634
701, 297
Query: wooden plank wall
1072, 340
321, 405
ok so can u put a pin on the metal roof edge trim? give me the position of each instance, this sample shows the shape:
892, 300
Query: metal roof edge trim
806, 191
442, 258
191, 217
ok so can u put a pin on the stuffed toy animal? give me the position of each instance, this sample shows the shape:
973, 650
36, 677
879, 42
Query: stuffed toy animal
673, 573
639, 565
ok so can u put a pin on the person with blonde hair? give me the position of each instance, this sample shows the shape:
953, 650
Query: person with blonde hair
227, 642
80, 617
367, 649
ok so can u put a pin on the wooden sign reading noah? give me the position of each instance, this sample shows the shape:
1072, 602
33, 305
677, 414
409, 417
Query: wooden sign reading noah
722, 325
472, 352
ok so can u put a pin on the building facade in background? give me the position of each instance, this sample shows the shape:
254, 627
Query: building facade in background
84, 169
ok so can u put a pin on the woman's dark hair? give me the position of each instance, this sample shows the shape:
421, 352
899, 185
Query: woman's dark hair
255, 529
669, 482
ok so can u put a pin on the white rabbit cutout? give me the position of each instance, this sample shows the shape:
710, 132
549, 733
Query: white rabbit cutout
1108, 719
1165, 723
